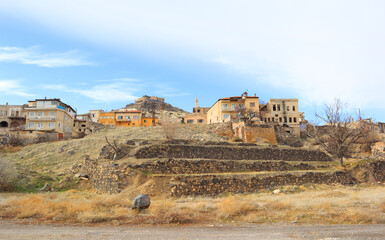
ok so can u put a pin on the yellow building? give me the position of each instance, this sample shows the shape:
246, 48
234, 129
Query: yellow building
226, 109
126, 118
50, 115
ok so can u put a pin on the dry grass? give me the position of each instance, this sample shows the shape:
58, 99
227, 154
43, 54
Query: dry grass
320, 205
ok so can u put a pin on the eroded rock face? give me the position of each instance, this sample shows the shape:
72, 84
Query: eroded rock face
142, 201
378, 150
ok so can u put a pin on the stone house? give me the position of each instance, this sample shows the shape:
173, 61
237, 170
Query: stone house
126, 118
198, 116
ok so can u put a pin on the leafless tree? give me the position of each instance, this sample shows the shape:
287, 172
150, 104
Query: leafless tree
115, 147
340, 131
246, 115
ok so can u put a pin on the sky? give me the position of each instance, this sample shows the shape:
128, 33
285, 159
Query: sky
95, 54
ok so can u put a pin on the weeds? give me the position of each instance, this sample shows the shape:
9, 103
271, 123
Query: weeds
321, 205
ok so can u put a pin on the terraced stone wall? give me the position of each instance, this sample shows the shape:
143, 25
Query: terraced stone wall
173, 166
230, 153
214, 185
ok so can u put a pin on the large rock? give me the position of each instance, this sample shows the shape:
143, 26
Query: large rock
141, 201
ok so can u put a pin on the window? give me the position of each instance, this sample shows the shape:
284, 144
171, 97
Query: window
93, 115
104, 117
280, 119
293, 108
285, 119
80, 129
233, 105
190, 121
274, 108
224, 105
108, 117
59, 125
31, 125
53, 103
101, 117
198, 110
51, 114
276, 115
289, 119
241, 105
268, 119
265, 119
252, 104
287, 108
31, 114
295, 119
133, 123
112, 117
83, 125
200, 120
51, 125
278, 107
127, 117
135, 117
145, 120
120, 117
40, 125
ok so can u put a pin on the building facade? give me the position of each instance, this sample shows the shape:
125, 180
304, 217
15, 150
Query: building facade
126, 118
12, 116
50, 115
198, 116
227, 109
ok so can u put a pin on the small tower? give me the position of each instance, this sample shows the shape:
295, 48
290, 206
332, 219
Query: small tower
196, 102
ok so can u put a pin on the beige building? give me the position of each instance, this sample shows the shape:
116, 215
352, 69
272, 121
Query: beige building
198, 116
226, 109
11, 116
283, 112
50, 115
94, 115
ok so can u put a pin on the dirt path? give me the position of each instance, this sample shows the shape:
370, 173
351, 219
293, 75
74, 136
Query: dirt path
44, 232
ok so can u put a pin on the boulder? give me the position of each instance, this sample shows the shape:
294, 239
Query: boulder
141, 201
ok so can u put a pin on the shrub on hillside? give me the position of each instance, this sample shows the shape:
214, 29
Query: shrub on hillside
290, 141
7, 174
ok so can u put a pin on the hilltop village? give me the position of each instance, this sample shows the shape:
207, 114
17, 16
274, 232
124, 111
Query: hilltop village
53, 119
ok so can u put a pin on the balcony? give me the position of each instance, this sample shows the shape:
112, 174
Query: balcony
233, 109
43, 118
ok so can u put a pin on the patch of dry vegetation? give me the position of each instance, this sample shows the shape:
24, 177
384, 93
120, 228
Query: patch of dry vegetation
312, 205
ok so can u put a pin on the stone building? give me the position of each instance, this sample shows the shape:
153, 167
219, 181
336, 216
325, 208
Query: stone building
50, 115
145, 97
198, 116
282, 112
12, 116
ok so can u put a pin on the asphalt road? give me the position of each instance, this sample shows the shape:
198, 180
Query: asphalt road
10, 230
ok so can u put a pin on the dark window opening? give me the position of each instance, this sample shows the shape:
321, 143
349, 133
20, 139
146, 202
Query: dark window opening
295, 120
289, 119
285, 119
274, 108
280, 119
279, 107
4, 124
293, 108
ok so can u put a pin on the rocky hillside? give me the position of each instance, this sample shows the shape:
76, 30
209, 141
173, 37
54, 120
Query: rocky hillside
163, 110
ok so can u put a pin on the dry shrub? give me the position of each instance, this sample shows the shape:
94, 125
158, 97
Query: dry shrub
7, 174
233, 206
170, 129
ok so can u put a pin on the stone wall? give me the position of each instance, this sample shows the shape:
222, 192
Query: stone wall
105, 178
214, 185
173, 166
230, 153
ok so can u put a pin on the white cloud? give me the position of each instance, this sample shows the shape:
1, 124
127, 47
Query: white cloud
33, 56
319, 49
13, 87
119, 90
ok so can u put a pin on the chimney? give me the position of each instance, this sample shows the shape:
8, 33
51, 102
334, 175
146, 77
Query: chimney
255, 94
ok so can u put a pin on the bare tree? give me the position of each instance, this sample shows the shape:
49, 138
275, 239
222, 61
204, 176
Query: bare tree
115, 147
246, 115
340, 132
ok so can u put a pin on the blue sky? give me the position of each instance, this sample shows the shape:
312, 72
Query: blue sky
97, 54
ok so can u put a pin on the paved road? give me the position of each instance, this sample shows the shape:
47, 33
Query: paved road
43, 232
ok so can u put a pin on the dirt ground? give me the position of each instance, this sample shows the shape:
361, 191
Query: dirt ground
11, 230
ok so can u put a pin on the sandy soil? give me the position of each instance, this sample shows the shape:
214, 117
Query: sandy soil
10, 230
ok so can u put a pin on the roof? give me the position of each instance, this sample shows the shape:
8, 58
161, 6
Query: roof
53, 99
237, 97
